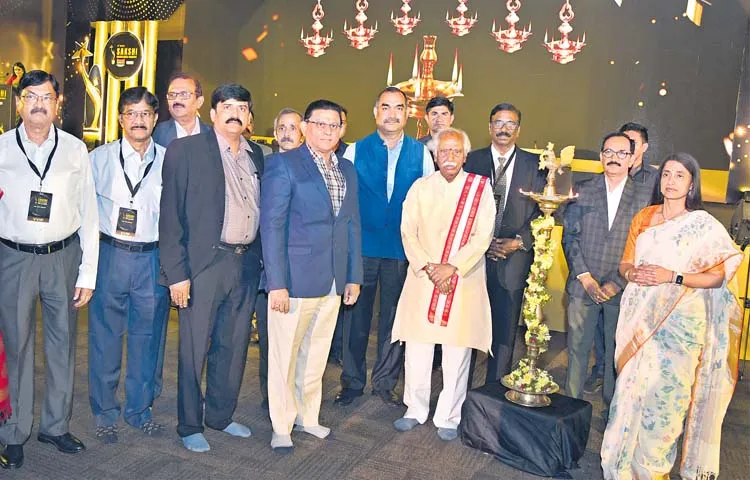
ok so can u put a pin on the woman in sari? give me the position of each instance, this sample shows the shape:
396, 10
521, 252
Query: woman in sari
677, 335
18, 71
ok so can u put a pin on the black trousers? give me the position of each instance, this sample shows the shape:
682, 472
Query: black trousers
214, 330
391, 274
506, 311
261, 317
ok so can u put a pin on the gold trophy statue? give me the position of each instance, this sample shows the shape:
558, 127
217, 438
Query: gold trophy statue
528, 383
92, 79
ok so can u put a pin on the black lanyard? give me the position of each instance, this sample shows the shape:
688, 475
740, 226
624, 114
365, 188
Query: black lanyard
134, 190
31, 164
505, 167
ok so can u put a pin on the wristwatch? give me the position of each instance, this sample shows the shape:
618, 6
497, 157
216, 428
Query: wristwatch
520, 241
678, 278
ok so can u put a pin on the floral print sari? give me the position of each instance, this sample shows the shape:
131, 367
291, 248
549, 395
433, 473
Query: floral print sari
676, 354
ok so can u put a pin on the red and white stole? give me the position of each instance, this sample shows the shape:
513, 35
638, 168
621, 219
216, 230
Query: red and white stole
458, 235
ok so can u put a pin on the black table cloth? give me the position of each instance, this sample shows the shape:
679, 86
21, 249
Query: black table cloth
544, 441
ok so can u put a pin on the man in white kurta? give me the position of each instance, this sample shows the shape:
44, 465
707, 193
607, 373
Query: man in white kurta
446, 228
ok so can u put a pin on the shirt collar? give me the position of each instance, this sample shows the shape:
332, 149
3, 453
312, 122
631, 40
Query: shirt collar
398, 144
128, 150
181, 132
25, 136
318, 158
224, 144
618, 188
496, 154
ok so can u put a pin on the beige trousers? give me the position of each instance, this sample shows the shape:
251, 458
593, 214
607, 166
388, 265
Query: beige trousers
298, 346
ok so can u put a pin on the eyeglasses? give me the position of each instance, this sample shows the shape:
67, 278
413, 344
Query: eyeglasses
499, 125
33, 97
132, 115
180, 95
621, 154
453, 152
323, 125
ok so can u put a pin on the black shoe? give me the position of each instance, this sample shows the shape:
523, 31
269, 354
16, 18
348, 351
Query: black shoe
346, 396
593, 384
65, 443
388, 397
12, 457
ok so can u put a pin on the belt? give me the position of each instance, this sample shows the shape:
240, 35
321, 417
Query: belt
41, 249
233, 248
129, 246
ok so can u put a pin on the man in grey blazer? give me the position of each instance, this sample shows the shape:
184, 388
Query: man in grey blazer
595, 231
210, 258
184, 97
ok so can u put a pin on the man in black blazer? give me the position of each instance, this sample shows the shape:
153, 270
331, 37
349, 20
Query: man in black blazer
211, 260
184, 98
595, 231
511, 252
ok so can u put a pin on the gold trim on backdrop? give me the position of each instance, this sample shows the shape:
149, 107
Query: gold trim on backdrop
150, 41
135, 29
113, 94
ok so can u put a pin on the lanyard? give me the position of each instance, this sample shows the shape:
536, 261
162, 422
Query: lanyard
505, 167
134, 190
31, 164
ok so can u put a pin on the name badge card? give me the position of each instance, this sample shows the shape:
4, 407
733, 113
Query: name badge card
40, 206
127, 221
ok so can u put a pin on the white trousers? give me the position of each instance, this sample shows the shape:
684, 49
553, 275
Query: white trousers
418, 373
298, 346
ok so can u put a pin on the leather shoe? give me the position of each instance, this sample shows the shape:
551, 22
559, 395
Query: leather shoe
12, 457
66, 443
346, 396
388, 397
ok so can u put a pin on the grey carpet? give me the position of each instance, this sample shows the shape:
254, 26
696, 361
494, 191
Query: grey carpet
363, 443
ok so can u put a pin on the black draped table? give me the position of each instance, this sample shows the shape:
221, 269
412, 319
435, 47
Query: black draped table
544, 441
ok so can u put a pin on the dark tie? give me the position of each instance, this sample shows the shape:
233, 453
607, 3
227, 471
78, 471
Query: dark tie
501, 182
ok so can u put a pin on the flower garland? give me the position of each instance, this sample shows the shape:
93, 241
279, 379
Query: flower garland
537, 333
530, 380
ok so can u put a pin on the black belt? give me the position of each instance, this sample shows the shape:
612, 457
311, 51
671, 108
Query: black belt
233, 248
43, 249
129, 246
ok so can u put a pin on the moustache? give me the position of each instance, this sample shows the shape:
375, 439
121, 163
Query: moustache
450, 164
502, 134
178, 105
138, 127
39, 110
613, 162
393, 120
236, 120
285, 139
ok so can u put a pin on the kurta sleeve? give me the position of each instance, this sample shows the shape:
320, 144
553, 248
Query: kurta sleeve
482, 231
411, 231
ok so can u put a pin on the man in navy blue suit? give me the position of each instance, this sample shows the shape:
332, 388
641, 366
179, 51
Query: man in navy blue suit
312, 252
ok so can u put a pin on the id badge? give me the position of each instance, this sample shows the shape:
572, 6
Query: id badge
127, 221
40, 207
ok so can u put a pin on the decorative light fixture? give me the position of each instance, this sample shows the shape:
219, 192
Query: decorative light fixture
564, 50
405, 24
461, 25
510, 40
316, 44
360, 36
422, 86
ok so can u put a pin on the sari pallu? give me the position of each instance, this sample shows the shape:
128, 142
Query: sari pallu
676, 356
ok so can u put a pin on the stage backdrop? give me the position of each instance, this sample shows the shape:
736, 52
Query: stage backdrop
633, 52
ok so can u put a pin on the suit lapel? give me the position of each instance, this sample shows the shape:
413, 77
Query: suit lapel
309, 164
600, 203
218, 165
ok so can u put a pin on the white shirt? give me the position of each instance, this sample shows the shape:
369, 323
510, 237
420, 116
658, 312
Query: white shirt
428, 166
508, 172
71, 184
181, 132
112, 191
613, 199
